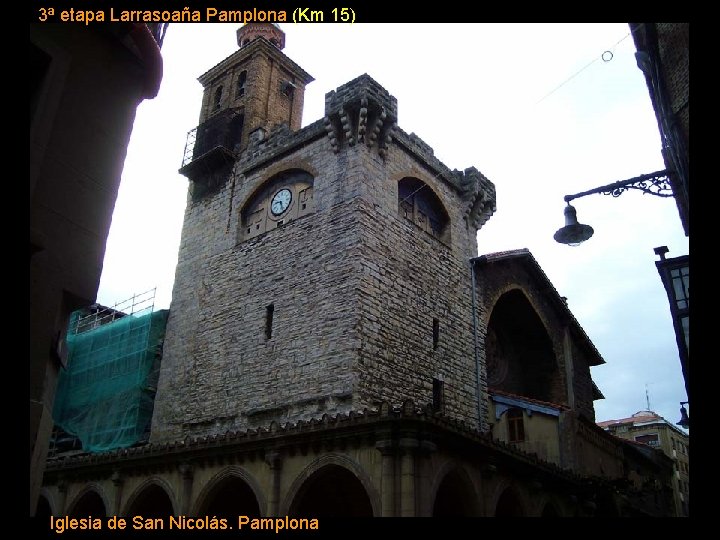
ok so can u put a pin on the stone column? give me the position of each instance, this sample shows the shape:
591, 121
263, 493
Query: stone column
187, 473
62, 498
274, 460
423, 480
407, 446
387, 487
117, 481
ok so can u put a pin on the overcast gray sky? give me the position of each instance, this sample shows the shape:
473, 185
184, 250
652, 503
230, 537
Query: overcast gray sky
535, 107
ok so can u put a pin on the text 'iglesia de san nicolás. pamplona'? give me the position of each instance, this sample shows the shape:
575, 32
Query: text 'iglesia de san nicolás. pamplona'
335, 346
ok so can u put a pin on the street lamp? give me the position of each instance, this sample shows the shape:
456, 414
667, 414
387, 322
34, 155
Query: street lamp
574, 233
684, 418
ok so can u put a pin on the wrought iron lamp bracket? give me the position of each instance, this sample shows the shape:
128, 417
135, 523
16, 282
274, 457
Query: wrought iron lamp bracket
656, 183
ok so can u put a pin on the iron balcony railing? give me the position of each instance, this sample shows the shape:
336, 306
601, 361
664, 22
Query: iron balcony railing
223, 129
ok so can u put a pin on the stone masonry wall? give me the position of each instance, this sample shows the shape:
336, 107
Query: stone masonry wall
355, 289
216, 354
408, 279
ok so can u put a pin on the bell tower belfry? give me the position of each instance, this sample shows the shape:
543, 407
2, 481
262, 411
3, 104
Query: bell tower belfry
257, 87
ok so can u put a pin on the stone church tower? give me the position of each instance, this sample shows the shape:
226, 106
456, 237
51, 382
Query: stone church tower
321, 270
325, 351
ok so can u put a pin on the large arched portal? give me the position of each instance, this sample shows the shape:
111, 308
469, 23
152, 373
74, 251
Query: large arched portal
455, 497
43, 510
229, 498
89, 504
606, 507
550, 511
332, 491
153, 502
519, 352
508, 505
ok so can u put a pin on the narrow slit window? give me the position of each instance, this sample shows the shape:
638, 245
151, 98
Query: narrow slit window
438, 402
269, 310
436, 333
218, 97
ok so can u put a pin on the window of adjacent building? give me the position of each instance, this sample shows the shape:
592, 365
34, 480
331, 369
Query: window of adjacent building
516, 426
418, 203
673, 443
436, 333
438, 403
680, 289
218, 97
681, 286
650, 439
242, 78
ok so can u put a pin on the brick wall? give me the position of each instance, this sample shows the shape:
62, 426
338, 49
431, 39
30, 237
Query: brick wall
263, 102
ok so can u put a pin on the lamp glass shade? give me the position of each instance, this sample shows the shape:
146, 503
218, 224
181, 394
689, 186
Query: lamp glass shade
573, 233
684, 419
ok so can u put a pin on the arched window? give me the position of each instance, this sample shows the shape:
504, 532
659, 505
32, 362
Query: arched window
218, 97
283, 198
418, 203
241, 83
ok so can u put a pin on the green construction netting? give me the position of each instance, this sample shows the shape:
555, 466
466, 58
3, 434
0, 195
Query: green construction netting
105, 396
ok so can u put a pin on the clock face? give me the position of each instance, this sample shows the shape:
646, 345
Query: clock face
280, 202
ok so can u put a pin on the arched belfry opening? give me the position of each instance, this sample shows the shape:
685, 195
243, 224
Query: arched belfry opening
229, 498
519, 352
43, 510
153, 501
332, 491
